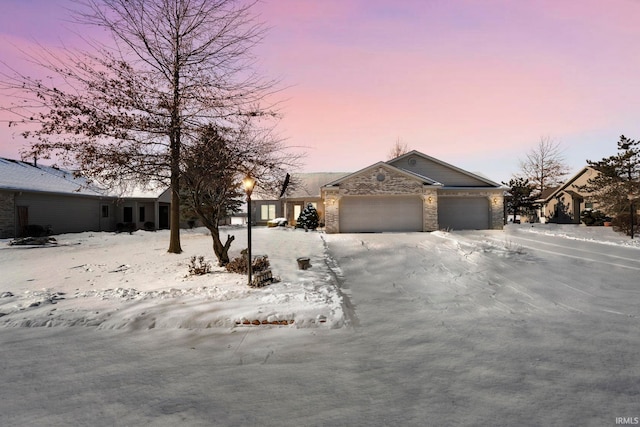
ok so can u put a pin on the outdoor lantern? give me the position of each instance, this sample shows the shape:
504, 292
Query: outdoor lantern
248, 183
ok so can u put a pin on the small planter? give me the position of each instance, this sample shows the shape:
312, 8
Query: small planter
607, 224
304, 263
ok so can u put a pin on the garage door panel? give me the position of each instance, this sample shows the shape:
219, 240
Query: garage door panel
463, 213
361, 214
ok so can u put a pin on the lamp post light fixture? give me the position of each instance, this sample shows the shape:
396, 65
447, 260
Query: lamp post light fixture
248, 183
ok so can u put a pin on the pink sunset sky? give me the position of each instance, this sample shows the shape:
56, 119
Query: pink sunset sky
473, 83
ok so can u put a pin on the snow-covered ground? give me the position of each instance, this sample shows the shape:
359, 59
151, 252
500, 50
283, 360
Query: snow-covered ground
533, 325
129, 281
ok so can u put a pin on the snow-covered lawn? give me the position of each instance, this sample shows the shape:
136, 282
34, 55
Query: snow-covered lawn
533, 325
129, 281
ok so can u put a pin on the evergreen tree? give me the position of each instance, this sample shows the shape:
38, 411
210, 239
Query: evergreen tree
618, 182
308, 218
519, 200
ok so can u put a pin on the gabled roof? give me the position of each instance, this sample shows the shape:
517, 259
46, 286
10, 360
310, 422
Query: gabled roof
16, 175
386, 165
562, 187
547, 192
446, 165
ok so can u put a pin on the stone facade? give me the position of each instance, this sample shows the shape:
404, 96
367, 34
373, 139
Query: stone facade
380, 180
497, 210
376, 181
7, 215
332, 210
411, 175
430, 208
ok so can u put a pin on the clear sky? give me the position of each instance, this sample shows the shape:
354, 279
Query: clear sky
473, 83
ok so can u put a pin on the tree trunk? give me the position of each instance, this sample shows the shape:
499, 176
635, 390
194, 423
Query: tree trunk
174, 217
174, 223
221, 251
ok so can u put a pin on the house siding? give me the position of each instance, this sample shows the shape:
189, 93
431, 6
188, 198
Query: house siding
66, 214
437, 171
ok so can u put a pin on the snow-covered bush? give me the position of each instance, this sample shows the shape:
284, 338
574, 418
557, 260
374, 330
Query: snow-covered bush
198, 266
239, 264
591, 217
308, 218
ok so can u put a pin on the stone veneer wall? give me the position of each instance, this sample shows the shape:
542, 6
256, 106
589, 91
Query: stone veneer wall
332, 210
496, 201
367, 183
380, 181
7, 215
430, 208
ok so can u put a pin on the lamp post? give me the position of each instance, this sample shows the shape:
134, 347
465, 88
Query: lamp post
630, 197
248, 183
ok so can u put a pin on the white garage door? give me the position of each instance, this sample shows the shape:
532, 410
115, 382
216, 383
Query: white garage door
463, 213
361, 214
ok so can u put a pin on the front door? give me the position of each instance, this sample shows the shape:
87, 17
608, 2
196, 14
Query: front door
163, 213
23, 220
297, 210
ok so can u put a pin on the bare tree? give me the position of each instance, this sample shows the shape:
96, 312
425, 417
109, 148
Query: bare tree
129, 112
544, 166
399, 148
214, 166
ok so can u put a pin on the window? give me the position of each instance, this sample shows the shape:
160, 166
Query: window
105, 211
588, 206
141, 214
267, 212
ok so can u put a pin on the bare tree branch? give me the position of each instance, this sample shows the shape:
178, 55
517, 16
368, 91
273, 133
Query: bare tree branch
129, 110
544, 165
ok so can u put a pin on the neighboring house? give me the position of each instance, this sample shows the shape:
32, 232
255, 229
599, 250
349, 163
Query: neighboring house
303, 188
145, 207
413, 192
53, 198
565, 203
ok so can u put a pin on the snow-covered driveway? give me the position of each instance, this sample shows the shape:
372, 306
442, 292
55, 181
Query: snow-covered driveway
469, 328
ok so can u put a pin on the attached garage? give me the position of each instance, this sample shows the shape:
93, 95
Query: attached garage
413, 192
361, 214
463, 213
